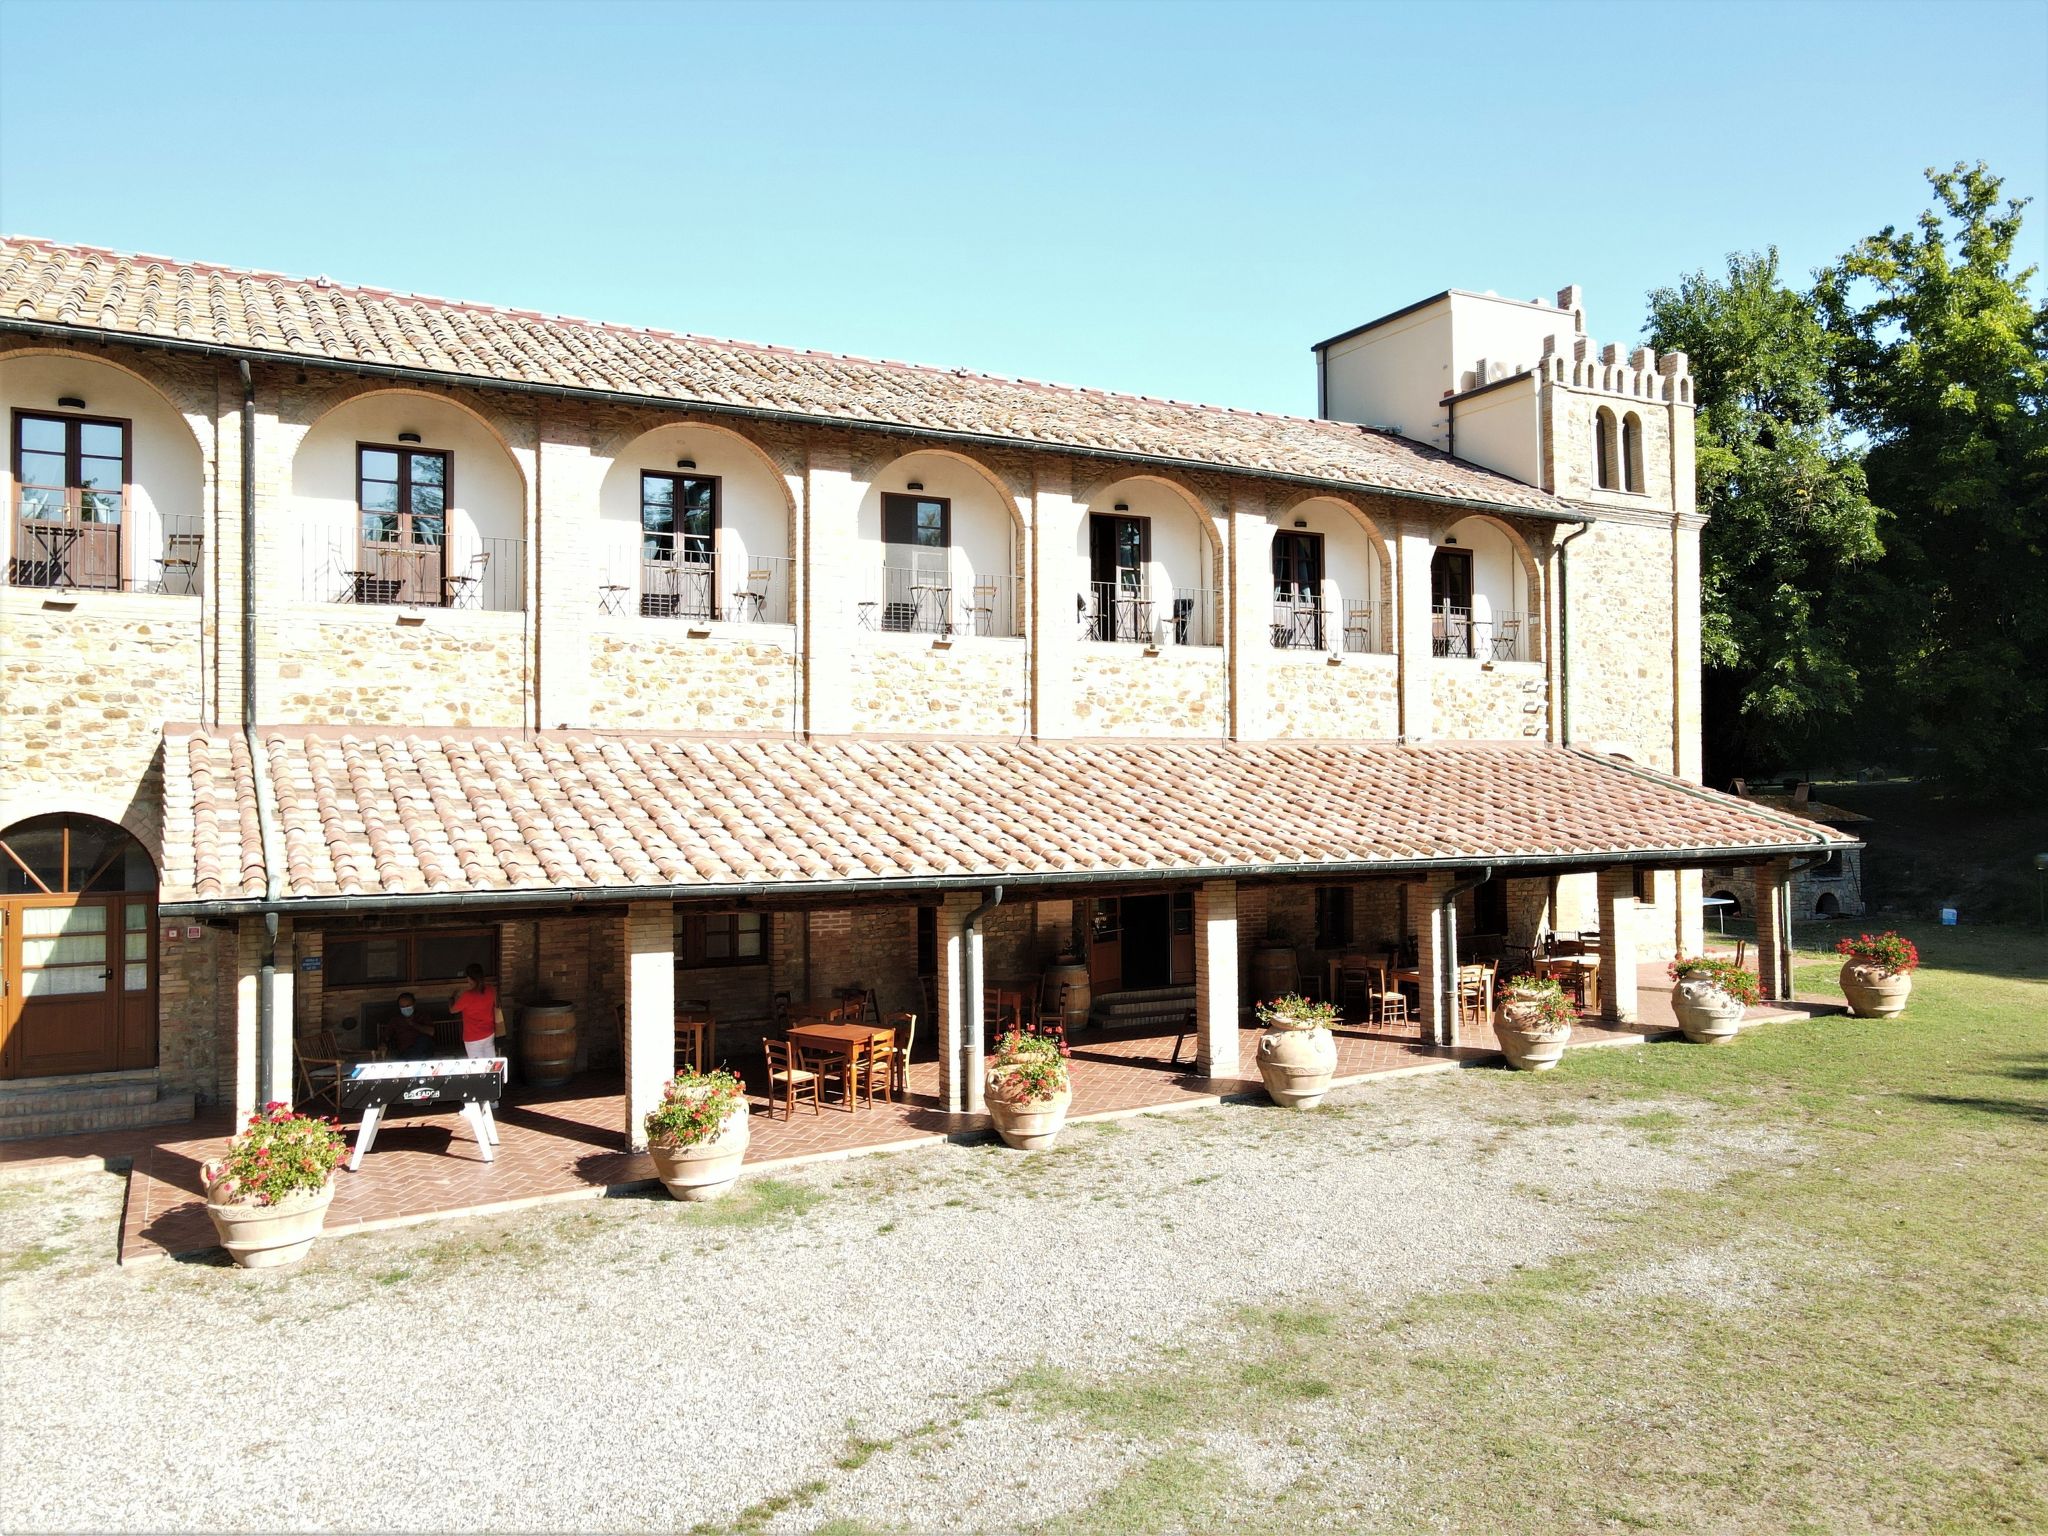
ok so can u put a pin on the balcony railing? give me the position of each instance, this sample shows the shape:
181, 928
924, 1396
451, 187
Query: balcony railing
1118, 612
1300, 623
455, 572
144, 554
920, 591
1363, 630
699, 587
1461, 633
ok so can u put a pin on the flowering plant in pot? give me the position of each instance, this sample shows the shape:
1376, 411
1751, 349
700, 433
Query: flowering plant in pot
1028, 1090
1297, 1053
1535, 1020
1709, 997
1877, 973
268, 1193
697, 1135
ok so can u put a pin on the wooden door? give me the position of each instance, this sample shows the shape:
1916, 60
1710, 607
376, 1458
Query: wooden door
63, 1005
1183, 938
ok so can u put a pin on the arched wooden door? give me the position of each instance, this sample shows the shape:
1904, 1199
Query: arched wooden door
77, 949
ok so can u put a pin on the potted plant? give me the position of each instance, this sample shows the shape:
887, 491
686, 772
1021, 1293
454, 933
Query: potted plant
268, 1195
1535, 1020
1297, 1053
1877, 973
1709, 997
697, 1135
1027, 1090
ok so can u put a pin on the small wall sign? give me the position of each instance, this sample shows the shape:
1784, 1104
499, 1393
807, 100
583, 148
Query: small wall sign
193, 931
309, 964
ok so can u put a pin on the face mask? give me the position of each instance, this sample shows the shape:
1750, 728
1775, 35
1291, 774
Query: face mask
405, 1010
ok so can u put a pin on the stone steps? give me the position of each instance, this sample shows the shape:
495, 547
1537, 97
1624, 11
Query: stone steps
56, 1106
1154, 1010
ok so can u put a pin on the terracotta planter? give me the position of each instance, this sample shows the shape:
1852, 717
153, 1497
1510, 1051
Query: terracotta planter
1875, 993
1530, 1042
1296, 1065
268, 1236
1029, 1126
710, 1168
1708, 1015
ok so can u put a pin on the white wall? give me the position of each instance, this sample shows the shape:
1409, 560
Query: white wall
1394, 375
1502, 429
753, 512
1498, 575
1351, 563
167, 474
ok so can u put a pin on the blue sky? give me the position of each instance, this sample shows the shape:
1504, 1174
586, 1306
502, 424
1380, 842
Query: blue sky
1171, 199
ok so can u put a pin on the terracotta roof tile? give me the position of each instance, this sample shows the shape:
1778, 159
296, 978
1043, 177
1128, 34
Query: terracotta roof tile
388, 813
309, 317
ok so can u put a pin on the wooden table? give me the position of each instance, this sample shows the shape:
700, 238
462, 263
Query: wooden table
1000, 998
703, 1037
1583, 969
840, 1040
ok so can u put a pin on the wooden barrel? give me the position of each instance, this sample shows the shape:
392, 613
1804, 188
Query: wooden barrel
1075, 975
547, 1044
1274, 973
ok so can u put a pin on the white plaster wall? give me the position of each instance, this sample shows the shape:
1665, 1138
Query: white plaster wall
985, 527
1351, 563
1502, 429
753, 511
1497, 572
487, 493
1394, 375
1183, 553
1489, 329
167, 473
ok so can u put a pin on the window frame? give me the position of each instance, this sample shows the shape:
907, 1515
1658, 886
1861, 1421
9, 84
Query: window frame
896, 503
73, 491
1645, 885
691, 933
677, 479
1336, 916
409, 940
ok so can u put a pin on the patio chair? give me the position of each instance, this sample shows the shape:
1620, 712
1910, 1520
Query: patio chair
321, 1070
982, 611
1474, 983
751, 601
830, 1065
787, 1079
877, 1067
905, 1026
1356, 983
466, 590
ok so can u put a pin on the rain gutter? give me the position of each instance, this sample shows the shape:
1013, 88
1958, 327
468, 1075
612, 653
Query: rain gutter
1446, 978
1564, 633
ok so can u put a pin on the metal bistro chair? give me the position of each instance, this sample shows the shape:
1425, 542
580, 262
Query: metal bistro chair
466, 590
750, 601
981, 613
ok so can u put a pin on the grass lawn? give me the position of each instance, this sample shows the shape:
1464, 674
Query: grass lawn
1853, 1338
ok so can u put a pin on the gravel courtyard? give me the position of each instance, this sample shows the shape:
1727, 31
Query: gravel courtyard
833, 1345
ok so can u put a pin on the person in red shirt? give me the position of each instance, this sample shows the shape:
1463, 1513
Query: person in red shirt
477, 1006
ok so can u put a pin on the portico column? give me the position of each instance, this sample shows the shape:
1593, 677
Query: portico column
1436, 939
961, 1046
1414, 645
252, 1089
835, 580
1216, 972
649, 1038
1057, 578
1691, 919
1615, 900
1773, 964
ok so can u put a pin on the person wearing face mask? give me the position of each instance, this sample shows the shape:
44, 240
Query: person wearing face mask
412, 1037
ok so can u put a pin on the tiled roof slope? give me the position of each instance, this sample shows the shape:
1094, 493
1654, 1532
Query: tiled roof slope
314, 318
369, 813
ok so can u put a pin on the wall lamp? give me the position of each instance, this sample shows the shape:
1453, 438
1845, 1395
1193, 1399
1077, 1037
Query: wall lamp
917, 485
1123, 506
686, 463
71, 402
408, 437
1301, 522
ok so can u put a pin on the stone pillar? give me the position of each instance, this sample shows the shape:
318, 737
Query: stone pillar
1689, 934
567, 564
1414, 647
1057, 579
1436, 940
1685, 647
647, 939
835, 582
1773, 896
962, 1048
1616, 908
1249, 636
1216, 972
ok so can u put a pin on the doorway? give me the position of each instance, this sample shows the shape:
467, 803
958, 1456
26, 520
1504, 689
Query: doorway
1142, 943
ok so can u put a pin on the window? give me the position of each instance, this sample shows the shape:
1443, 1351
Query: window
1333, 916
1450, 601
1646, 886
1119, 552
1632, 451
1603, 450
720, 938
402, 502
923, 521
678, 545
406, 959
1298, 590
71, 479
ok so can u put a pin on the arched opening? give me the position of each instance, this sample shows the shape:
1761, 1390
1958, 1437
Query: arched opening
942, 544
1826, 905
694, 524
1632, 451
406, 498
1604, 450
1153, 569
108, 482
1483, 599
1734, 905
1329, 580
77, 948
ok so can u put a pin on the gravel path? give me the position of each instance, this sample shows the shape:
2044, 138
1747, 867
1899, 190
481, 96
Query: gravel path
638, 1363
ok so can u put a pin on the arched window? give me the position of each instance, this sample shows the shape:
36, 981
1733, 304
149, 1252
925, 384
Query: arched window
1632, 451
78, 948
1603, 449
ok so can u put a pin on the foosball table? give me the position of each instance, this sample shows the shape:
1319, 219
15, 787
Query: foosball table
474, 1082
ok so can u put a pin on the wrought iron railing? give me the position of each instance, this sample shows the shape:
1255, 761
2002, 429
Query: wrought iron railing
68, 546
922, 591
1114, 611
1300, 623
1364, 631
1478, 635
457, 571
700, 586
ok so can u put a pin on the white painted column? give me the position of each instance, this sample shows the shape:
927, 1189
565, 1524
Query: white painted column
649, 1038
1057, 578
1414, 650
962, 1049
1689, 927
283, 1085
248, 981
566, 568
1217, 1045
1616, 908
1250, 635
834, 583
1436, 939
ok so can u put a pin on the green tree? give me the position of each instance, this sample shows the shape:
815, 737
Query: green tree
1942, 361
1789, 519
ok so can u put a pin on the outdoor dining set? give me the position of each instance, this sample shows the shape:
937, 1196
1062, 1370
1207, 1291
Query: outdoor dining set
1385, 987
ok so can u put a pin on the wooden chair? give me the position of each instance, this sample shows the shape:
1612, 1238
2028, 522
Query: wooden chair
787, 1078
877, 1066
829, 1065
1390, 1005
1475, 982
1742, 952
904, 1026
321, 1070
1357, 980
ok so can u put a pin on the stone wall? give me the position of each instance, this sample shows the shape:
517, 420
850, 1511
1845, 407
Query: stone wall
1505, 703
1182, 691
648, 675
903, 684
1309, 699
361, 666
195, 1002
1622, 639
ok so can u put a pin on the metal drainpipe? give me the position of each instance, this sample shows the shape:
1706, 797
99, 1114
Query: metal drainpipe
267, 972
1447, 964
974, 1046
1564, 633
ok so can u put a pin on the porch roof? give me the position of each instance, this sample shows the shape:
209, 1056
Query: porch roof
369, 816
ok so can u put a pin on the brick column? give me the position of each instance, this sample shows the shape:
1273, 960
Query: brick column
648, 961
1216, 972
1250, 632
1057, 578
961, 1044
1616, 908
1773, 965
834, 584
1436, 939
1414, 651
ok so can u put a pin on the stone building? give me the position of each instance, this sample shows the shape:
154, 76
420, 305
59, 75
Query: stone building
1824, 887
348, 637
